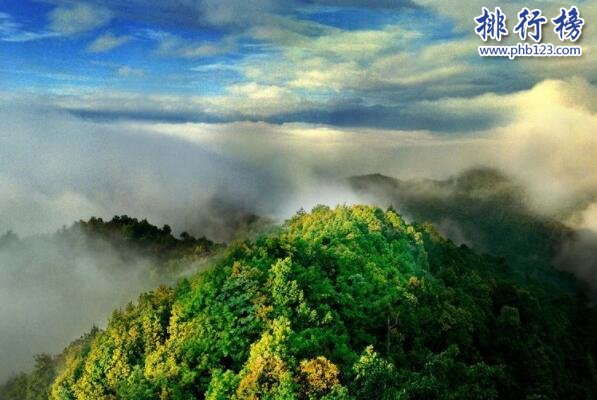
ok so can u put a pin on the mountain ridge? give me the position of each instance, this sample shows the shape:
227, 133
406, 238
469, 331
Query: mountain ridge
343, 303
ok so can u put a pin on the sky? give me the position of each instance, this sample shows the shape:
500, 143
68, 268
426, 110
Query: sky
147, 107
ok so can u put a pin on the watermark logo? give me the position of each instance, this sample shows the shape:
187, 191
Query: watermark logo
530, 23
567, 25
491, 24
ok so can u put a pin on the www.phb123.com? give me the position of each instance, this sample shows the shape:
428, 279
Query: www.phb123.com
530, 50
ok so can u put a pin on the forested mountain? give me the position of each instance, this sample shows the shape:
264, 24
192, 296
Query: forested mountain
129, 236
345, 303
488, 211
126, 235
53, 287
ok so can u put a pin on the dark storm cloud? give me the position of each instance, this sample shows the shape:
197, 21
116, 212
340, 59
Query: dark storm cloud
341, 115
394, 117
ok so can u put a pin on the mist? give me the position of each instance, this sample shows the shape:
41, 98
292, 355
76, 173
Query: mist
206, 178
54, 288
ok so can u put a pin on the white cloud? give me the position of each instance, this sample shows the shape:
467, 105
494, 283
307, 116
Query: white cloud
12, 31
216, 67
462, 13
301, 154
237, 12
175, 46
129, 72
107, 42
551, 143
319, 58
587, 219
78, 18
256, 100
546, 139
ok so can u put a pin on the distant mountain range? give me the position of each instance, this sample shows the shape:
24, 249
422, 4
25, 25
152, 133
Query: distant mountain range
485, 209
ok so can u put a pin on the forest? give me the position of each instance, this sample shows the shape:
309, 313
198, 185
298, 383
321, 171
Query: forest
351, 302
297, 200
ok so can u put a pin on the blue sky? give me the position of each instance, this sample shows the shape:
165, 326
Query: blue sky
139, 49
336, 62
99, 99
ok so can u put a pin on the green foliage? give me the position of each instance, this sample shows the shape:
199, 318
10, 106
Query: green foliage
485, 209
33, 386
130, 236
345, 303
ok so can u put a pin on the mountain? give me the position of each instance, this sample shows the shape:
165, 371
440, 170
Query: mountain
125, 238
55, 286
344, 303
487, 210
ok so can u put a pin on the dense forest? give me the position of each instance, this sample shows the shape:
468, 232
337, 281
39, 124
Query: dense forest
490, 212
344, 303
127, 239
124, 234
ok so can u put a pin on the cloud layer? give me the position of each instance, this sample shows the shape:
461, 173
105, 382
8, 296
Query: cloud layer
57, 168
78, 167
78, 18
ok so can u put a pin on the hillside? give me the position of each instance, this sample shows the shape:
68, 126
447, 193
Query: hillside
53, 287
125, 238
488, 211
345, 303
